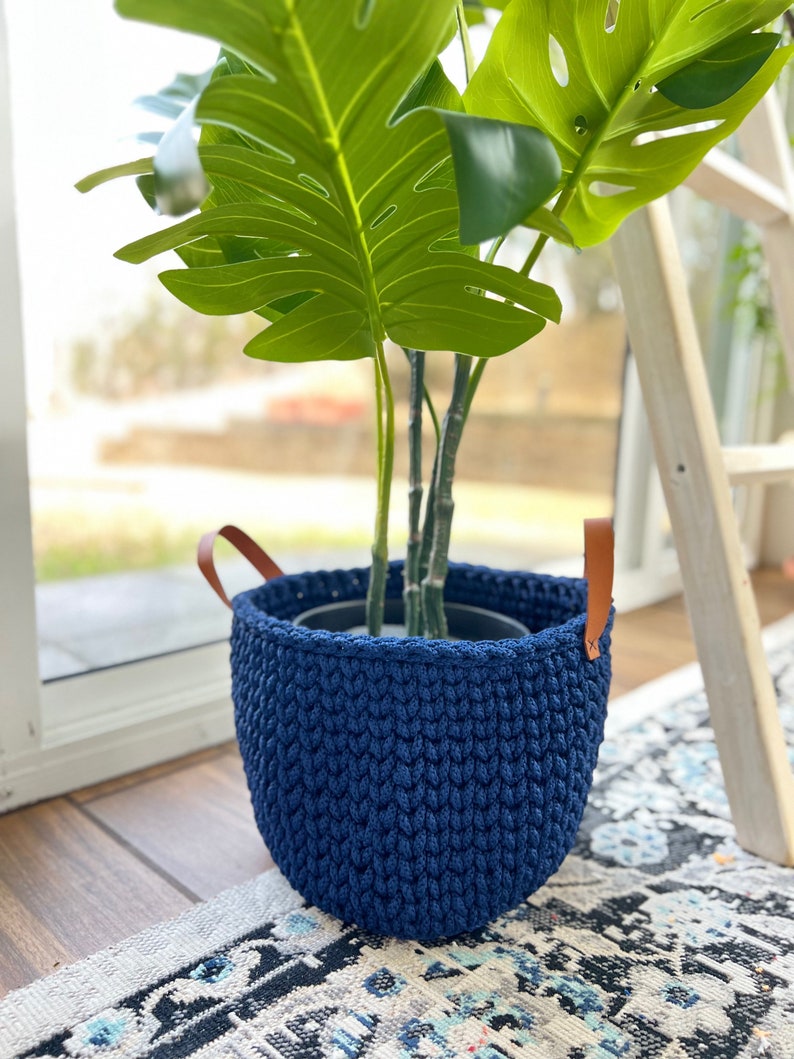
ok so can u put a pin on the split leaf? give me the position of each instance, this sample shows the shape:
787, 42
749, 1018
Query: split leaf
588, 78
321, 201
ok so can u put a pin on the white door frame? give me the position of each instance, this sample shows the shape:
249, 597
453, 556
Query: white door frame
20, 712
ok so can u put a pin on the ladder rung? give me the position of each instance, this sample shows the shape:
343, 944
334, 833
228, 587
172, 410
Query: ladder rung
746, 464
736, 187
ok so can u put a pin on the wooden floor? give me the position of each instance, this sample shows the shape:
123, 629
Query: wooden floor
83, 871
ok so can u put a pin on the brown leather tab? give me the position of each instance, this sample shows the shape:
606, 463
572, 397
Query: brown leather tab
599, 565
245, 545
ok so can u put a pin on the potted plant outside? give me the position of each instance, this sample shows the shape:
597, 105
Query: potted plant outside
343, 189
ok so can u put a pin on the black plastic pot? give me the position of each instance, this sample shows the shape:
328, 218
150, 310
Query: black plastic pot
465, 622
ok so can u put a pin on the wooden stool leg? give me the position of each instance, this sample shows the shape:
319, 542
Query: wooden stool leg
719, 595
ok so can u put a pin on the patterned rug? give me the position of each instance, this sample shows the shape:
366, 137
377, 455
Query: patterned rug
659, 938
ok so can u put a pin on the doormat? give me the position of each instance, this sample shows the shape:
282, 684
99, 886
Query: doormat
659, 938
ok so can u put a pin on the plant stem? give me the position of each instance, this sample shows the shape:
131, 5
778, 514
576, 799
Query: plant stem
474, 382
430, 510
559, 208
443, 504
427, 554
376, 593
427, 399
494, 248
467, 382
440, 505
463, 31
412, 592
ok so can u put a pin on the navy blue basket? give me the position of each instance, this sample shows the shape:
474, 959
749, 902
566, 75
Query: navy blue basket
418, 788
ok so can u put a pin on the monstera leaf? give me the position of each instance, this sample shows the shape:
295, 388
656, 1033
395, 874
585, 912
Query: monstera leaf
632, 94
474, 10
325, 215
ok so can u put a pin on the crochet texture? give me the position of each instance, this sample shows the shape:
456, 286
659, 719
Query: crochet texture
418, 788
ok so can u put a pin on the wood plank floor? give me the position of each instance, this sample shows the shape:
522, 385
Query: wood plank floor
83, 871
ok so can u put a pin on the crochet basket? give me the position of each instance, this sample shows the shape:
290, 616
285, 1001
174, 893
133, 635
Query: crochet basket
418, 788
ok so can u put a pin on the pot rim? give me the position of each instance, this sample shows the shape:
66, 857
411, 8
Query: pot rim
457, 614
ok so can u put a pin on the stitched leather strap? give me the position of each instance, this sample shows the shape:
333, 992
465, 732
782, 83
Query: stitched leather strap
244, 544
599, 565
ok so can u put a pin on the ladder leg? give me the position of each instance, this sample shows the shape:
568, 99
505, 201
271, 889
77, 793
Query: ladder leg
723, 612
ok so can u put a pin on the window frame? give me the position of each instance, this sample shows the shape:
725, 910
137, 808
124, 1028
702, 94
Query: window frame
88, 728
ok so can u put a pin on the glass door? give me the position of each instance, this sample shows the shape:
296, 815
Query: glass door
143, 426
147, 426
62, 74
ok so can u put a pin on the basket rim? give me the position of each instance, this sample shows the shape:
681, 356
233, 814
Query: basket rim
254, 619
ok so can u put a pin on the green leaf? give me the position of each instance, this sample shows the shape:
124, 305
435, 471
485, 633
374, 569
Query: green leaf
146, 187
426, 291
433, 89
475, 14
283, 306
102, 176
203, 253
548, 223
503, 172
247, 222
601, 110
475, 11
323, 328
714, 79
315, 192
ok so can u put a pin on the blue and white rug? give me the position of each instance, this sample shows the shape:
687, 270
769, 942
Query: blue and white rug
659, 938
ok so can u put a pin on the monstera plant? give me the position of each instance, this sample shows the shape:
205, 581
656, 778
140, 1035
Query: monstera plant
347, 193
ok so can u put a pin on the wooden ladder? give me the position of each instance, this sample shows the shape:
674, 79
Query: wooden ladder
697, 473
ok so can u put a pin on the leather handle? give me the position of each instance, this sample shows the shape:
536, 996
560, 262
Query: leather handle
245, 545
599, 568
599, 549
